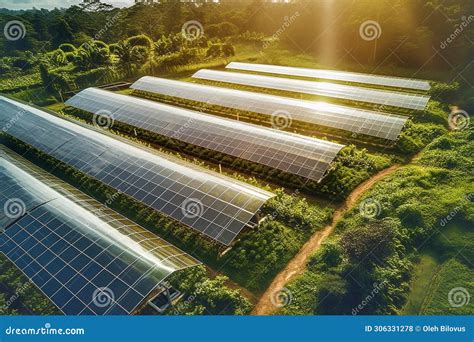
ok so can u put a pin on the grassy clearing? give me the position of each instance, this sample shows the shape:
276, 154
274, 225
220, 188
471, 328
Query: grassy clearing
423, 272
451, 291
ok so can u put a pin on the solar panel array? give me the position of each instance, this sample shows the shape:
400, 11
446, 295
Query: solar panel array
86, 258
387, 81
339, 91
303, 156
214, 205
351, 119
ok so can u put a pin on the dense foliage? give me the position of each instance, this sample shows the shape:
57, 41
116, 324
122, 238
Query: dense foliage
302, 26
378, 252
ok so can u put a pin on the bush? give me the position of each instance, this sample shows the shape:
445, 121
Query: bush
214, 51
228, 50
66, 47
140, 40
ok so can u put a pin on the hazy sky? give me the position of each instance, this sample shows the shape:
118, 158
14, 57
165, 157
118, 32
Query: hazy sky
23, 4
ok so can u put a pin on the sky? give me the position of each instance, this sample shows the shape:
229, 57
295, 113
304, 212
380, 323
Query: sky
25, 4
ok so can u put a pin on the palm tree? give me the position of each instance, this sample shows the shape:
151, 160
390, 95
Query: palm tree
92, 55
130, 56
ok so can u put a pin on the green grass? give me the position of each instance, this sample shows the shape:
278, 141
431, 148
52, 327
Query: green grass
456, 240
453, 278
423, 274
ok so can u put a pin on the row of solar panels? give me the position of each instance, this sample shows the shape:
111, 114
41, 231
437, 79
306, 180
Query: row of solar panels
346, 118
214, 205
332, 90
86, 258
303, 156
344, 76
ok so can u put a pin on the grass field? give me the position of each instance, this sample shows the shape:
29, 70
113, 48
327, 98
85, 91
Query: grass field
423, 273
450, 291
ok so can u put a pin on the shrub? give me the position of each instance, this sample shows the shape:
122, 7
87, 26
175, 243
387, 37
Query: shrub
66, 47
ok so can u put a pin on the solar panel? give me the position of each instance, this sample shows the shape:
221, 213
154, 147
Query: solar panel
387, 81
385, 126
339, 91
212, 204
86, 258
306, 157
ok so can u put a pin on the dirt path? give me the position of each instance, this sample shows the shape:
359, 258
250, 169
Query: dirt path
298, 264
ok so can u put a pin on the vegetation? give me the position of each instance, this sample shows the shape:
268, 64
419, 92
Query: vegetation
18, 296
413, 205
67, 50
204, 296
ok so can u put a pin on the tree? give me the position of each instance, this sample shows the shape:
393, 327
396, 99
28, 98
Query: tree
331, 296
369, 243
329, 255
130, 56
61, 32
92, 55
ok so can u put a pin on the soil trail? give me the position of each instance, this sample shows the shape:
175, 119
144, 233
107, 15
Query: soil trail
298, 264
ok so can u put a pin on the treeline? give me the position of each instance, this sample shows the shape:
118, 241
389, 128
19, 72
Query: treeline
408, 31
